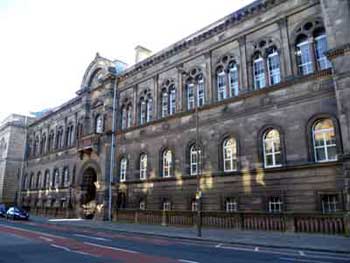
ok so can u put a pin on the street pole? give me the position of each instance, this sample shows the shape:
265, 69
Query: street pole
199, 163
111, 168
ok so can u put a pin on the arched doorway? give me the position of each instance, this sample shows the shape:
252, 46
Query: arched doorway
88, 189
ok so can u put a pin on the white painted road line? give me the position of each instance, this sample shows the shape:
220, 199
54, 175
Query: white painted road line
304, 260
187, 261
46, 239
218, 245
112, 248
66, 220
301, 253
61, 247
256, 249
92, 237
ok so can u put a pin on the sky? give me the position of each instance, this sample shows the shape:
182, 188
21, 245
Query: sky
46, 45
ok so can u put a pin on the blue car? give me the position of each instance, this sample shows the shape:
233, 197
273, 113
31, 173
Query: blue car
17, 213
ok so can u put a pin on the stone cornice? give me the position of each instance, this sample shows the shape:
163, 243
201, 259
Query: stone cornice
239, 16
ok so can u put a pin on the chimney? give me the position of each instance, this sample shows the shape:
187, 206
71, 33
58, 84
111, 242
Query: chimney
141, 53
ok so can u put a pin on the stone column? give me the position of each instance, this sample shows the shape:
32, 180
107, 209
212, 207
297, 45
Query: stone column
209, 78
244, 87
286, 61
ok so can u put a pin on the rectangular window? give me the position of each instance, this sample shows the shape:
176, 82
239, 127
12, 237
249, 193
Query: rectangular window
190, 96
164, 104
166, 206
200, 93
234, 87
321, 49
172, 101
142, 205
304, 57
274, 68
149, 110
129, 117
194, 206
259, 73
221, 84
231, 205
329, 203
275, 204
123, 166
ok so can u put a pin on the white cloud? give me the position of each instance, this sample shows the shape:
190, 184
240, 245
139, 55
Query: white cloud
45, 46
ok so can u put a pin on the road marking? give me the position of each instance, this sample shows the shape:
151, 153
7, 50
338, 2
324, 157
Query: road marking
187, 261
301, 253
218, 245
256, 249
66, 220
61, 247
237, 248
46, 239
112, 248
92, 237
84, 253
304, 260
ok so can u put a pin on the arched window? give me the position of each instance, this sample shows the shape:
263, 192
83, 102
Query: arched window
47, 180
324, 140
273, 66
168, 98
195, 160
124, 117
99, 124
65, 179
80, 129
230, 155
311, 46
149, 103
24, 182
59, 136
31, 182
69, 135
259, 71
36, 146
43, 144
143, 166
195, 91
123, 169
38, 178
55, 179
167, 163
221, 83
233, 79
272, 149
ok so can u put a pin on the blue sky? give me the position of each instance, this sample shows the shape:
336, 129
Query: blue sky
46, 45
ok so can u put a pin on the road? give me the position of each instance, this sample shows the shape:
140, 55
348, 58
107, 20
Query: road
31, 241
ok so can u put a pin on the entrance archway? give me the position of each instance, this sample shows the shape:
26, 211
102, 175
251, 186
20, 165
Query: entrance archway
88, 189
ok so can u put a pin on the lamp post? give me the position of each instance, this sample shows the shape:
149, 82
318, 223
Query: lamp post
199, 162
111, 168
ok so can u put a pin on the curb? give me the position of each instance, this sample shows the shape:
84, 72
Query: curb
98, 227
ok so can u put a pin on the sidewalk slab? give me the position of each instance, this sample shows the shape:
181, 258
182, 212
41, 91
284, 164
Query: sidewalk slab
299, 241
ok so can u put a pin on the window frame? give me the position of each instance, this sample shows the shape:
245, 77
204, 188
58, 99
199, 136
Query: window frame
324, 146
233, 156
273, 151
123, 166
143, 163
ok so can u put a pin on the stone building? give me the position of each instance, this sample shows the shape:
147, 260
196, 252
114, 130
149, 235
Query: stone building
12, 148
253, 109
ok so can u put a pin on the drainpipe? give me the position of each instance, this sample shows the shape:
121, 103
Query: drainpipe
113, 147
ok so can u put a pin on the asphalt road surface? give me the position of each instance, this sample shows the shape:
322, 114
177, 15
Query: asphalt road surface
42, 242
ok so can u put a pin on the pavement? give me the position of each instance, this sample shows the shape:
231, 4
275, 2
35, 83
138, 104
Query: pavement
296, 241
